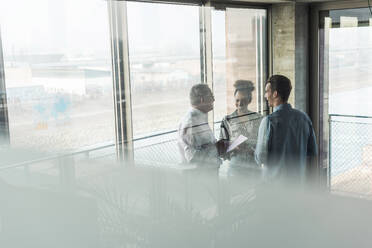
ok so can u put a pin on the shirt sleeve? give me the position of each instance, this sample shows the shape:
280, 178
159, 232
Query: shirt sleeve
186, 142
261, 152
193, 150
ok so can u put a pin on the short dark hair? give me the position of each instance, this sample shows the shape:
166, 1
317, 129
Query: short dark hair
282, 85
244, 86
197, 91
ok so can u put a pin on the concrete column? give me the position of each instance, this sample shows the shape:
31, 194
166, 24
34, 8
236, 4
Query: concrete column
290, 42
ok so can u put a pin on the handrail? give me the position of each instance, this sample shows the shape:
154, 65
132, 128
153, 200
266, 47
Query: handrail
53, 157
353, 116
86, 151
82, 151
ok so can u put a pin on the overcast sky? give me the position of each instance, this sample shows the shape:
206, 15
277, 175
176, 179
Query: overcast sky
80, 28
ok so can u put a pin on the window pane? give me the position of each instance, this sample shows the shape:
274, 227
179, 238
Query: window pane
239, 53
58, 73
350, 74
164, 63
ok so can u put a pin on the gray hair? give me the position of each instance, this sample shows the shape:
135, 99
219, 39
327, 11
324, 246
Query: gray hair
197, 91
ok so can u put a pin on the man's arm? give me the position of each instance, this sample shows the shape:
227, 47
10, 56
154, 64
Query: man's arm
195, 151
261, 152
187, 141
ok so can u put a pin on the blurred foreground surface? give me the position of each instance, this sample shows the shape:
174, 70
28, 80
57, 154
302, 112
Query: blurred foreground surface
103, 204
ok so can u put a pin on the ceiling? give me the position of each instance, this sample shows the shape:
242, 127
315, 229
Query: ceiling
293, 1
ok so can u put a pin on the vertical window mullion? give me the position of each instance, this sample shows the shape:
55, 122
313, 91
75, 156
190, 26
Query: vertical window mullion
206, 56
4, 121
202, 45
261, 68
121, 79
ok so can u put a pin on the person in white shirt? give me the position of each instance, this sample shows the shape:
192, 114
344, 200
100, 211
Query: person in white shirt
196, 141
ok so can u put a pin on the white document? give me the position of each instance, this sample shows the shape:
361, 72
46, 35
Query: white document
236, 143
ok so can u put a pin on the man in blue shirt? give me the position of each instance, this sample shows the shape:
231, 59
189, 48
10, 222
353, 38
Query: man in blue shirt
286, 138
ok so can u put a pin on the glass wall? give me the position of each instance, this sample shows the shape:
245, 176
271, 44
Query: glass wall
57, 73
165, 50
58, 69
164, 55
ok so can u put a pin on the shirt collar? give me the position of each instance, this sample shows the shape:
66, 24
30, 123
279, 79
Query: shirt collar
200, 114
282, 106
198, 111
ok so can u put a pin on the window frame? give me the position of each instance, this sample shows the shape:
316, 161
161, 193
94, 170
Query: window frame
315, 88
4, 120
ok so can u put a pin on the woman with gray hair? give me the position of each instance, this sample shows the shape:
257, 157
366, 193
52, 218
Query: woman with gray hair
241, 122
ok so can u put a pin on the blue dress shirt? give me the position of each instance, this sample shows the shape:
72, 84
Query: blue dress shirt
285, 140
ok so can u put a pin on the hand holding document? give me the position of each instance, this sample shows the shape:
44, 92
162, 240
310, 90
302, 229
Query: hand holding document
236, 143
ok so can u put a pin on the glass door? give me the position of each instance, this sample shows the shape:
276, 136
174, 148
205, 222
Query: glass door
345, 104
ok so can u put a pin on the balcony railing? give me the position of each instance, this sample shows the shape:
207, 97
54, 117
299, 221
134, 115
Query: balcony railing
350, 154
153, 150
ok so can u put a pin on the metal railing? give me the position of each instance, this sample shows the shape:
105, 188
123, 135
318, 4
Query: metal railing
85, 151
350, 154
155, 149
159, 149
146, 148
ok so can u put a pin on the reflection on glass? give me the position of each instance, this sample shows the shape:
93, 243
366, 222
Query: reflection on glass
183, 207
58, 73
